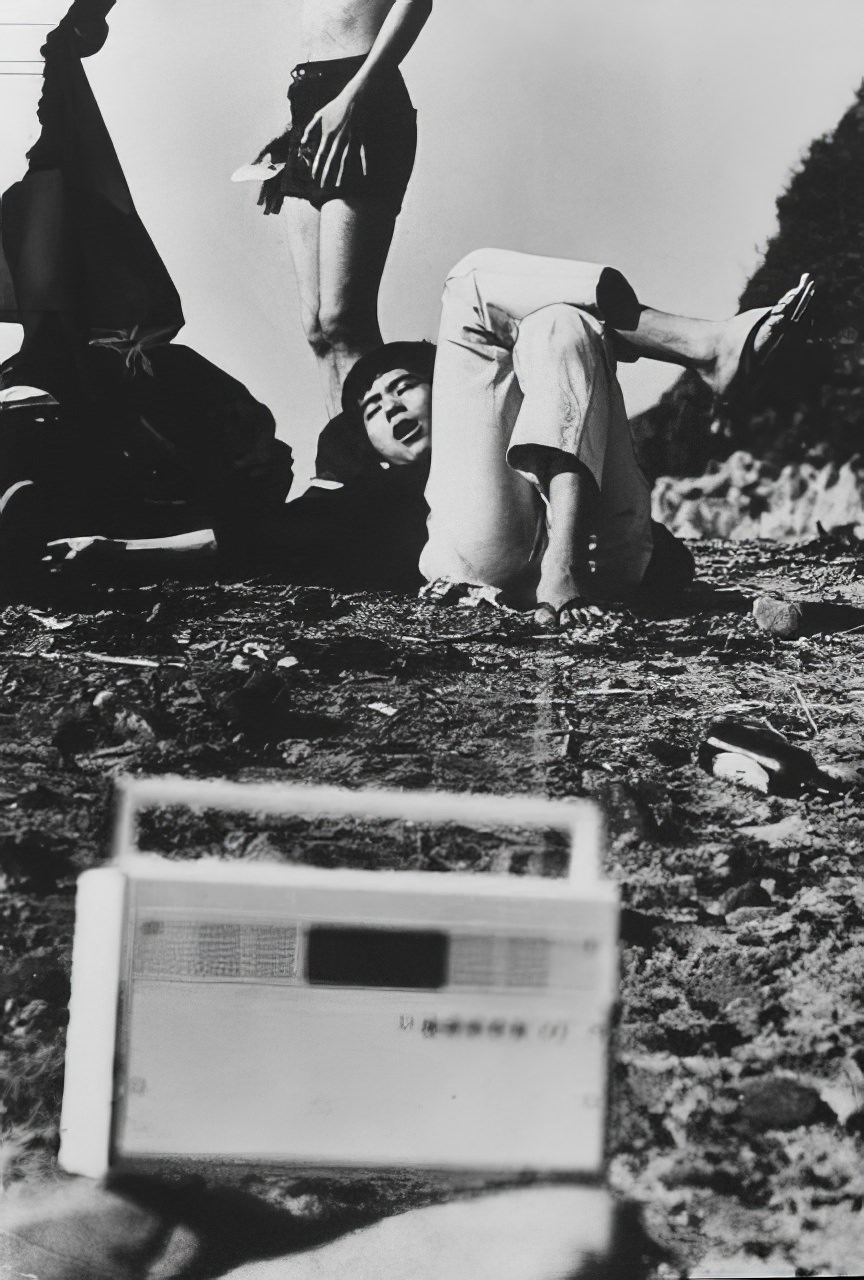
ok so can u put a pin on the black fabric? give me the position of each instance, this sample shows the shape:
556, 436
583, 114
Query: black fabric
149, 438
344, 450
79, 261
670, 570
367, 535
149, 455
384, 121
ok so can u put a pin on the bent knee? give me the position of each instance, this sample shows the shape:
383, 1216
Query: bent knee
314, 333
341, 326
478, 260
563, 328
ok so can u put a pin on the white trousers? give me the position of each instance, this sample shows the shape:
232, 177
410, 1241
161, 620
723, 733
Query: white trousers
524, 365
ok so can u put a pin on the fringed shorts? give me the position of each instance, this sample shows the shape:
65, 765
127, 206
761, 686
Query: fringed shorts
384, 121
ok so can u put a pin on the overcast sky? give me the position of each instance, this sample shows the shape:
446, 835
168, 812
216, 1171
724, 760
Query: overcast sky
652, 134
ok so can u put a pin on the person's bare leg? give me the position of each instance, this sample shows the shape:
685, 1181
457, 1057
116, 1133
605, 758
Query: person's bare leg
571, 519
514, 285
355, 238
712, 348
303, 223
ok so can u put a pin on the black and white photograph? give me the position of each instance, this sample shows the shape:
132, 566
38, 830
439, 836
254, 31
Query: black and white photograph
431, 639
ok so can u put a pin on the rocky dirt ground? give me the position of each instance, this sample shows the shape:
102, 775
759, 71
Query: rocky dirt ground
738, 1081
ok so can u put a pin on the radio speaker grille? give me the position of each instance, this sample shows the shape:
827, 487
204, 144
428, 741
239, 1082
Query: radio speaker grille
192, 949
499, 962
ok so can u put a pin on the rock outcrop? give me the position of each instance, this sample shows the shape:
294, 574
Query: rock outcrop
815, 397
743, 497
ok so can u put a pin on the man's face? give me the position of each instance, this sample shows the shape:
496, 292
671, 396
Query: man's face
397, 415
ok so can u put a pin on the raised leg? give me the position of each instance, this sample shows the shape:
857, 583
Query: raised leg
727, 354
572, 439
531, 454
486, 523
724, 353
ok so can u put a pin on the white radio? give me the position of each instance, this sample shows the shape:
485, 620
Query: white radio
274, 1013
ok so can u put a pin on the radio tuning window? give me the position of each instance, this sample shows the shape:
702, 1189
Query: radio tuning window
339, 956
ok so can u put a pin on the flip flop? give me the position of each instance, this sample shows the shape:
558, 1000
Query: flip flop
752, 364
548, 618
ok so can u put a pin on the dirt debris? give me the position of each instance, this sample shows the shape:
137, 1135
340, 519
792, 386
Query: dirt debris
738, 1082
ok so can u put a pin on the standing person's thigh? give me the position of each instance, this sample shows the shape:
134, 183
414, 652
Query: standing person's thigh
355, 238
303, 223
485, 520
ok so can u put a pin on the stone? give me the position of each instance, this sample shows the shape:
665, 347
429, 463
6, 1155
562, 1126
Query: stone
775, 1102
781, 618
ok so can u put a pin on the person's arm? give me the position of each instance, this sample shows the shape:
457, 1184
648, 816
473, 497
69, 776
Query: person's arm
95, 552
398, 32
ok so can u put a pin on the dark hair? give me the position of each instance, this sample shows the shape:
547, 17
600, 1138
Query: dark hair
417, 357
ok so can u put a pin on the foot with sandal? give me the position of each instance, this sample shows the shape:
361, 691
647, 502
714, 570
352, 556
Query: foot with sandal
733, 358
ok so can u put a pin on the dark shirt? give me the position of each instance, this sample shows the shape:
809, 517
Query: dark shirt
366, 536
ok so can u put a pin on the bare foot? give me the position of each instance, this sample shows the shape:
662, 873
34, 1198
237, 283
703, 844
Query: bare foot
559, 583
560, 594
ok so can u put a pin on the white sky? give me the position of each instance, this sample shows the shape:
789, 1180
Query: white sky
652, 134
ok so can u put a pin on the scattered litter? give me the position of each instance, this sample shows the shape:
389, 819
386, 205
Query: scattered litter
467, 596
742, 708
108, 753
50, 624
604, 692
455, 637
382, 708
118, 661
791, 830
485, 595
806, 708
759, 758
287, 662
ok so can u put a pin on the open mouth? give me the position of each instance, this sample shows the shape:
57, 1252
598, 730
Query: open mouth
407, 431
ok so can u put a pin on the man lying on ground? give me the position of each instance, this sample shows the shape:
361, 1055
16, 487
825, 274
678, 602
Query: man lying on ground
533, 486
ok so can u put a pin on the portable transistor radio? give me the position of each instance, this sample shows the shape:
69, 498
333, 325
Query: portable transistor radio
238, 1011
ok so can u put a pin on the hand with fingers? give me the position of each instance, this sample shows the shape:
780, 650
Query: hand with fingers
337, 141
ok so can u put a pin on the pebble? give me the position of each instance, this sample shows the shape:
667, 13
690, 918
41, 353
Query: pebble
750, 894
778, 617
774, 1102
